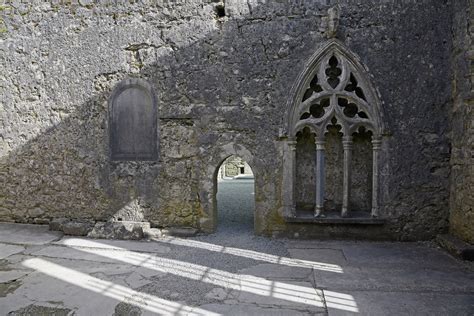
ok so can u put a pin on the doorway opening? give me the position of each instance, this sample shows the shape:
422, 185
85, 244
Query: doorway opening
235, 196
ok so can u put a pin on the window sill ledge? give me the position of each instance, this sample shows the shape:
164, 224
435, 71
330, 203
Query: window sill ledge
332, 217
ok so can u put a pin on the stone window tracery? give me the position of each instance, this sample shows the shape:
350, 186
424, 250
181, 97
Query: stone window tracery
333, 101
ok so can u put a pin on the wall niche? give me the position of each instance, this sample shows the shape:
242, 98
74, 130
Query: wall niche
133, 122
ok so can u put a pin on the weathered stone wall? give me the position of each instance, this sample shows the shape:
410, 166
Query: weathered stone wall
462, 124
222, 85
305, 189
233, 165
361, 193
334, 166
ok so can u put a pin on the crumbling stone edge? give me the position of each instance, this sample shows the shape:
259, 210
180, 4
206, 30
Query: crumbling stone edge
456, 247
123, 230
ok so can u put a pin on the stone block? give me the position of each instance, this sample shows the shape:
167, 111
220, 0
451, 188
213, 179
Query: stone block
41, 221
57, 223
76, 228
5, 214
179, 231
152, 233
119, 230
35, 212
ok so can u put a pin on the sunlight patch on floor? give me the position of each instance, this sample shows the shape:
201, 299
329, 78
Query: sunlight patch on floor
291, 262
340, 301
247, 283
120, 293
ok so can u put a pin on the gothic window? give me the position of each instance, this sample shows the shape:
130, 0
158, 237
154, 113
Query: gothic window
133, 130
334, 137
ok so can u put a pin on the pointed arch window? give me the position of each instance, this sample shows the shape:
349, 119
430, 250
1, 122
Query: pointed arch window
334, 109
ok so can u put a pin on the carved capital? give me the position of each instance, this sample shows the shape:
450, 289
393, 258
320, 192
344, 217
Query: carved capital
347, 142
320, 143
376, 144
291, 144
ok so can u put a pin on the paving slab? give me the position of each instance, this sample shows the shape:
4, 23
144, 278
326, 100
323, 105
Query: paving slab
379, 254
230, 274
43, 309
287, 294
11, 275
320, 255
250, 310
140, 246
397, 278
109, 270
277, 272
26, 234
7, 250
71, 253
372, 253
316, 243
399, 303
39, 289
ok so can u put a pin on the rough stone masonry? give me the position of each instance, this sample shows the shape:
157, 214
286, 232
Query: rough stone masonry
222, 73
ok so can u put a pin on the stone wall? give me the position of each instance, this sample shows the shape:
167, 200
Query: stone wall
305, 188
234, 166
462, 124
222, 72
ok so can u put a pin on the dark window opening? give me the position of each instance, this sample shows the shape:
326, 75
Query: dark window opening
220, 10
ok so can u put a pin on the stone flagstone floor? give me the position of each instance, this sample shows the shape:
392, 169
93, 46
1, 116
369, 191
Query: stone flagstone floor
43, 273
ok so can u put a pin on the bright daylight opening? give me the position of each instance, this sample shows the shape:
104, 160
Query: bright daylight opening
235, 196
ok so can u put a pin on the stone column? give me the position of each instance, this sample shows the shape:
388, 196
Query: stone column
223, 170
376, 145
346, 191
289, 176
320, 176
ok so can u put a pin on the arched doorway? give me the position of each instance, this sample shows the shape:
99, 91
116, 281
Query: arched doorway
235, 196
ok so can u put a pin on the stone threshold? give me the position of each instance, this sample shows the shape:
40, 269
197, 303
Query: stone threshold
334, 217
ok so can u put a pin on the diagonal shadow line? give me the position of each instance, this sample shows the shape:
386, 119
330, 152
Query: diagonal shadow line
109, 289
213, 248
79, 243
250, 254
283, 290
253, 285
78, 134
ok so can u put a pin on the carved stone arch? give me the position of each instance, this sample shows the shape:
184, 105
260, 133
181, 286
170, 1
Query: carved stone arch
313, 80
336, 74
313, 129
208, 223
